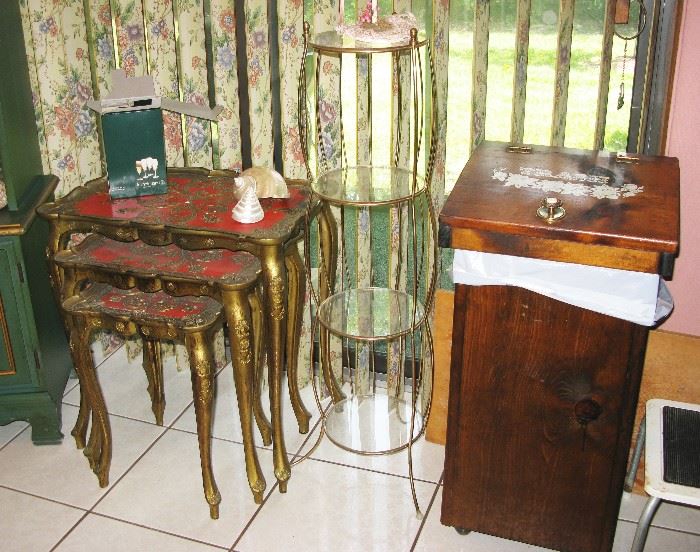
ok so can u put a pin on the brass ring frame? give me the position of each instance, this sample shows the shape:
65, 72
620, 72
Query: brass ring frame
325, 287
641, 25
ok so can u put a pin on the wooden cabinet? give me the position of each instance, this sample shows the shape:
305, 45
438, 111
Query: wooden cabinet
544, 396
34, 359
543, 393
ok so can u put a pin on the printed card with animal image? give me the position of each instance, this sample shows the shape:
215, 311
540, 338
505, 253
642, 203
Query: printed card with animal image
135, 153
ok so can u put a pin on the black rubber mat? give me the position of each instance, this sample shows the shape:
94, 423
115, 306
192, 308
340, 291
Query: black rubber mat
681, 446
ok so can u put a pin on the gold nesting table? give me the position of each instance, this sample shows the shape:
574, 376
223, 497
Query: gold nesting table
195, 216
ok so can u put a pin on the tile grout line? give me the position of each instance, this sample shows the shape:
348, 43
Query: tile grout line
274, 487
46, 498
91, 510
427, 512
28, 426
65, 535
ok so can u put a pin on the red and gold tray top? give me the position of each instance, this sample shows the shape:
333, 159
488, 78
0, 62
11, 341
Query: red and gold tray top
183, 312
229, 268
195, 201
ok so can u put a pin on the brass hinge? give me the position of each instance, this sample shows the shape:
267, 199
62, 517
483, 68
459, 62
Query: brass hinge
20, 272
37, 361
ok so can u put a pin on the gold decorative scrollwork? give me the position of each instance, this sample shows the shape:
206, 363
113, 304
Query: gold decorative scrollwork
277, 298
203, 371
243, 334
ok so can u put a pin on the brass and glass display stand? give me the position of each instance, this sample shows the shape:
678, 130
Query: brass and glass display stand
367, 417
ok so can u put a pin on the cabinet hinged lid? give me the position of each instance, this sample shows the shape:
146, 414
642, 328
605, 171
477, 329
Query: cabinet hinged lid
621, 211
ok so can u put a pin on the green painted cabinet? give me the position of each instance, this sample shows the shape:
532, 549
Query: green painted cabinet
34, 357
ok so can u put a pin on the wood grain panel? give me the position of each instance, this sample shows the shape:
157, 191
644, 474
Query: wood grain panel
525, 371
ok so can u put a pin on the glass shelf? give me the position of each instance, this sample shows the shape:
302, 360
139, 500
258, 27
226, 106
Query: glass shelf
332, 41
366, 185
372, 424
370, 314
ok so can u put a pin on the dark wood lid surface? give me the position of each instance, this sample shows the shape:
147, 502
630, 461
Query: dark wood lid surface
633, 206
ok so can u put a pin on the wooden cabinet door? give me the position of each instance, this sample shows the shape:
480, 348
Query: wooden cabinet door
540, 412
16, 329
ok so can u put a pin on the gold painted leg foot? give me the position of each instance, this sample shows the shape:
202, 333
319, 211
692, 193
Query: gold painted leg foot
214, 511
238, 318
265, 432
153, 366
283, 486
258, 497
256, 314
201, 362
304, 424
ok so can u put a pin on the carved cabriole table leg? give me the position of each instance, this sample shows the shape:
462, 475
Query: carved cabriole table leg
239, 323
256, 308
201, 367
297, 292
275, 288
153, 366
99, 447
328, 231
79, 431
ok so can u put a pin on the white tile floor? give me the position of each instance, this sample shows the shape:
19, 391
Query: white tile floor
336, 501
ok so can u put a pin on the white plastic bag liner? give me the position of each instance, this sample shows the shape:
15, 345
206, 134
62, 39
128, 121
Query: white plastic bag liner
635, 296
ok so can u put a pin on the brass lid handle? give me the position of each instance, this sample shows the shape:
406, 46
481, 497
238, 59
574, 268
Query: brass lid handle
551, 209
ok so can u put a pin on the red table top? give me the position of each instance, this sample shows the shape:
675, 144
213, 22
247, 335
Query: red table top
195, 202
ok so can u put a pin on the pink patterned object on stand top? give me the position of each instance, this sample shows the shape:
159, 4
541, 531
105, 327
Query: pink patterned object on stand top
367, 13
388, 30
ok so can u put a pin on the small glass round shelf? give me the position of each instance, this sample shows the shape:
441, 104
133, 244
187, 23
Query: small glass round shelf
372, 424
334, 42
371, 314
368, 185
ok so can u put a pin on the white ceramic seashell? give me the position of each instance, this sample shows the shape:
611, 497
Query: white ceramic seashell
241, 184
3, 195
248, 209
270, 183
